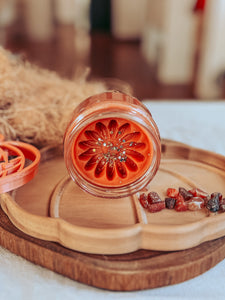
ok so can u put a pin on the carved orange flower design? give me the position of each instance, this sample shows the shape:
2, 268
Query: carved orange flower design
112, 147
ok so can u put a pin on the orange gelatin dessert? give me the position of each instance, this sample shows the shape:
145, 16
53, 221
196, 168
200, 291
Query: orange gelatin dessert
112, 145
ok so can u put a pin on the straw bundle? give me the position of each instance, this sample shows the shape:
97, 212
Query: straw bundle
36, 104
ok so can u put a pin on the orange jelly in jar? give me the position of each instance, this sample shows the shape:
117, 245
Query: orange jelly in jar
112, 145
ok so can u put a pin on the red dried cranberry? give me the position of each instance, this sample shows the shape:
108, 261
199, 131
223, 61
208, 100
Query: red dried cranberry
144, 200
172, 193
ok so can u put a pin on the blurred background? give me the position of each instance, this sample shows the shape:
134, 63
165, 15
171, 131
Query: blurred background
165, 49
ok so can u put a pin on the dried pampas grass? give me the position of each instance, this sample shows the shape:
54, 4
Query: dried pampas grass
36, 104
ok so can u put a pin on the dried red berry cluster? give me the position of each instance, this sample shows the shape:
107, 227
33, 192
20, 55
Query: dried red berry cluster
182, 200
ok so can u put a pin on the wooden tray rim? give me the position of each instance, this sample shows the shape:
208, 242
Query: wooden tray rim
118, 240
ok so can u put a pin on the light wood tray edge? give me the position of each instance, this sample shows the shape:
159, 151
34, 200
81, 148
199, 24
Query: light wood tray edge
84, 239
114, 241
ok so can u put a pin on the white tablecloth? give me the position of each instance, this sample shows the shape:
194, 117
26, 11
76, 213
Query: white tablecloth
201, 124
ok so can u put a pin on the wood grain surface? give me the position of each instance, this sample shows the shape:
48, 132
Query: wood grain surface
137, 270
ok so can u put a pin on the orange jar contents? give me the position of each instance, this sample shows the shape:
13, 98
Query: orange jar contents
112, 145
112, 152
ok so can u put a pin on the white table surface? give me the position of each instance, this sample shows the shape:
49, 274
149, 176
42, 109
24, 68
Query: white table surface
200, 124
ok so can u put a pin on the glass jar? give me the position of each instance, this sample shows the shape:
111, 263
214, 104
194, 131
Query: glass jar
112, 145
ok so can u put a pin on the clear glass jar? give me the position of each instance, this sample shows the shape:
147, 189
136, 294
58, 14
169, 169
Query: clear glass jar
112, 145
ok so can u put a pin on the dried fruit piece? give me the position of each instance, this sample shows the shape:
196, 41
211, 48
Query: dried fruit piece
155, 207
172, 193
213, 204
170, 202
186, 195
222, 205
180, 205
195, 203
155, 202
219, 195
198, 193
153, 197
144, 200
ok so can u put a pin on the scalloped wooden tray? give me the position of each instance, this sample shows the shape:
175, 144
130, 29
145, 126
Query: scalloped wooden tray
52, 208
